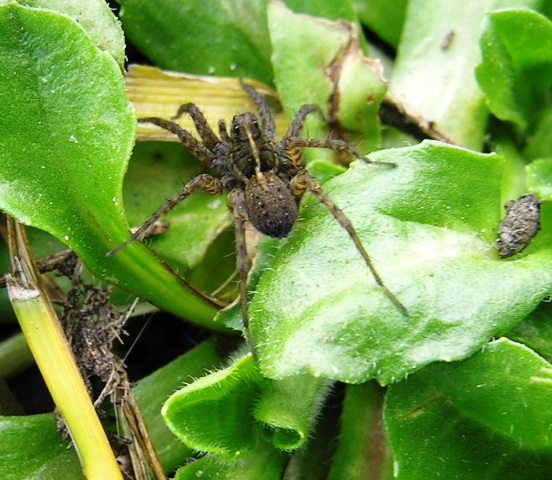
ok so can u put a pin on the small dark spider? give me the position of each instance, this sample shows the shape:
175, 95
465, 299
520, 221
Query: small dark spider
265, 179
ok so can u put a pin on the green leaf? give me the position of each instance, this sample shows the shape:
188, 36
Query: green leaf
539, 178
267, 464
151, 392
335, 74
231, 411
535, 331
539, 144
323, 171
384, 18
324, 8
497, 401
290, 33
213, 414
30, 447
362, 451
434, 71
156, 172
516, 71
514, 179
288, 410
222, 38
68, 130
429, 225
361, 89
95, 17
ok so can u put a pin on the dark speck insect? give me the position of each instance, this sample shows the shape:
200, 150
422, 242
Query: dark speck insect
447, 41
265, 179
520, 224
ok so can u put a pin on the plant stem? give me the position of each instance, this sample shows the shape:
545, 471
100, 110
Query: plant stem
54, 358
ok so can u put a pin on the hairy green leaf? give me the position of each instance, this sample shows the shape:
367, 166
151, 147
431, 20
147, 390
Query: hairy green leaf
267, 464
213, 414
229, 411
429, 225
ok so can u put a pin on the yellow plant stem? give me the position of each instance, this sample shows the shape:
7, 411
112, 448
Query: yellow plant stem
55, 360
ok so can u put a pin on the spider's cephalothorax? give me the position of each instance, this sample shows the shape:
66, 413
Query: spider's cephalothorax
265, 179
260, 168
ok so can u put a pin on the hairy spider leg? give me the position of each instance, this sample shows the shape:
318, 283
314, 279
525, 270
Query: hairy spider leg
223, 131
200, 151
205, 181
335, 144
205, 131
305, 181
296, 125
292, 138
236, 203
267, 119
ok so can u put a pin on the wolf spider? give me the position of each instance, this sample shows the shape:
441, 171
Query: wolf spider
265, 179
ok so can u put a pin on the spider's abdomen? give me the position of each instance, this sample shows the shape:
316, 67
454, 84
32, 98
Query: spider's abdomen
271, 207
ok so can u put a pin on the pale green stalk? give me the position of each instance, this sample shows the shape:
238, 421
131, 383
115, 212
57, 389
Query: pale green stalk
55, 360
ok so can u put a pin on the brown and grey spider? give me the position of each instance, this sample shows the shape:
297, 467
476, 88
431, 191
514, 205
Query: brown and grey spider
265, 179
